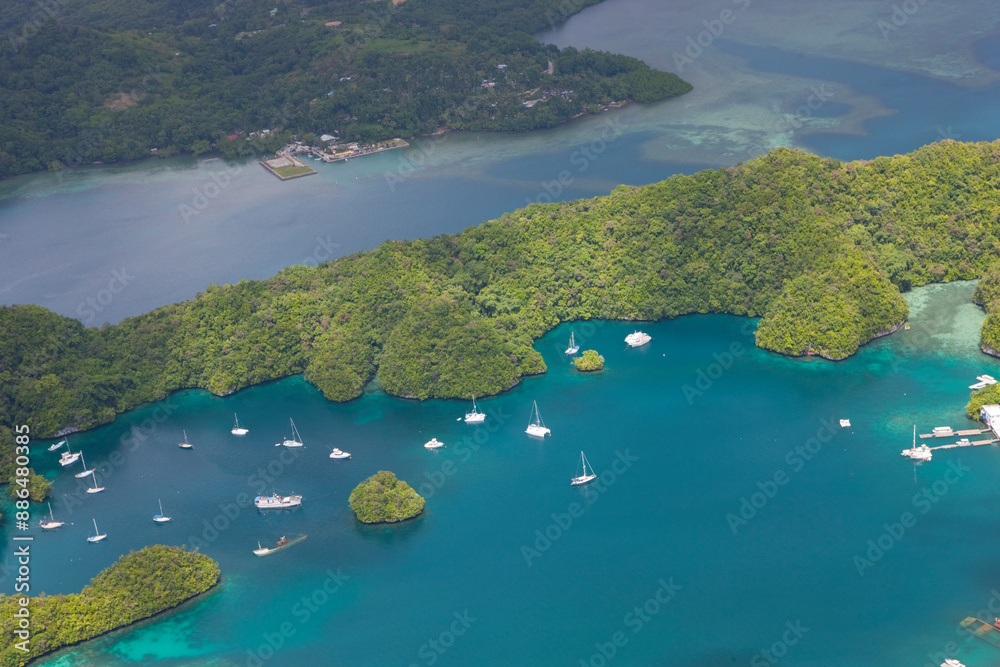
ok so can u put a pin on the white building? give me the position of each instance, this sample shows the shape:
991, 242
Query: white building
990, 415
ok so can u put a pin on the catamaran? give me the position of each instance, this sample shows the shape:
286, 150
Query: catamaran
281, 544
433, 443
921, 453
160, 518
238, 428
573, 347
274, 501
338, 454
585, 477
294, 441
535, 426
638, 338
86, 471
57, 445
68, 458
475, 416
94, 488
98, 535
184, 444
51, 523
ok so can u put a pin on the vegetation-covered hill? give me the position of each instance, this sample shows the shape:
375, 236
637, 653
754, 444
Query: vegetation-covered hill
139, 585
108, 80
382, 498
816, 247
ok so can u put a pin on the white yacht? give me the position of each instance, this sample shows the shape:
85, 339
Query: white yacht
161, 517
638, 339
98, 535
536, 427
238, 428
274, 501
86, 471
921, 453
585, 476
294, 441
337, 454
55, 446
573, 347
94, 488
68, 458
474, 416
51, 523
433, 443
184, 444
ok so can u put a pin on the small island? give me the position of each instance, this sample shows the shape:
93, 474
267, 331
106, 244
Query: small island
141, 584
589, 361
384, 499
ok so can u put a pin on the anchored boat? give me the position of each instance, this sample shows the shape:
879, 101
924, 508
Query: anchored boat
275, 502
281, 544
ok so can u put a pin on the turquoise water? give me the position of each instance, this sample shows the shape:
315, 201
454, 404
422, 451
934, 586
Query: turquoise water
680, 432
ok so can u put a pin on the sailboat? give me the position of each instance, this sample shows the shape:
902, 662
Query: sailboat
921, 453
57, 445
295, 441
585, 477
475, 416
238, 428
535, 426
184, 444
95, 488
51, 523
573, 347
68, 458
159, 518
86, 471
98, 535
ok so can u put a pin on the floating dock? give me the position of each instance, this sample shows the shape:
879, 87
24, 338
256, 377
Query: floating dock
948, 434
973, 443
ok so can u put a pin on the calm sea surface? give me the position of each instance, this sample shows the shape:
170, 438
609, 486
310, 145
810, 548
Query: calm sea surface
734, 522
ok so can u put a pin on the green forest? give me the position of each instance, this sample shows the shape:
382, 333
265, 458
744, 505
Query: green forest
107, 81
382, 498
819, 249
139, 585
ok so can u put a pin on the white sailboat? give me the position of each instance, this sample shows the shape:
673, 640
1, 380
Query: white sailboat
238, 427
51, 523
184, 444
573, 347
585, 477
160, 518
94, 488
921, 453
98, 535
475, 416
86, 471
68, 457
55, 446
294, 441
535, 426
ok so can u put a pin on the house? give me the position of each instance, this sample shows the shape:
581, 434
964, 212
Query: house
990, 414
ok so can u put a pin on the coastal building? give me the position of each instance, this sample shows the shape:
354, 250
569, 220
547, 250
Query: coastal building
990, 415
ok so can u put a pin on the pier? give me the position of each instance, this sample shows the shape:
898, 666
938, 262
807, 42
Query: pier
948, 434
973, 443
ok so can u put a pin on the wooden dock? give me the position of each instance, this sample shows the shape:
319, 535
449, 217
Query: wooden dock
973, 443
948, 434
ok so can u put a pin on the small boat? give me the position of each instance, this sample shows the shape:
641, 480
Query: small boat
942, 429
988, 379
475, 416
921, 453
281, 544
85, 472
637, 339
57, 445
184, 444
585, 477
979, 385
274, 501
337, 454
433, 443
51, 523
238, 427
68, 458
963, 442
573, 347
98, 535
94, 488
844, 423
160, 518
294, 441
535, 425
951, 662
